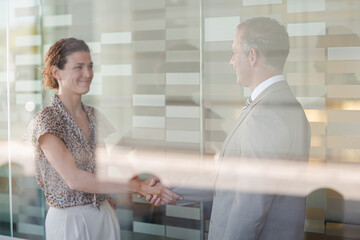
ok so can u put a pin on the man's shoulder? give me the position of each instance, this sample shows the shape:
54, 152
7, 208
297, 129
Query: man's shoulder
281, 96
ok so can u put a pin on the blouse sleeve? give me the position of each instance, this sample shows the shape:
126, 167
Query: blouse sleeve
44, 121
103, 126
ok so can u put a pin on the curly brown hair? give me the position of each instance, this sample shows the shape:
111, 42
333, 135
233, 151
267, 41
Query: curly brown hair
57, 56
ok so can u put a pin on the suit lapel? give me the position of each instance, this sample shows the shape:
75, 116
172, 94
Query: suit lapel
274, 87
242, 116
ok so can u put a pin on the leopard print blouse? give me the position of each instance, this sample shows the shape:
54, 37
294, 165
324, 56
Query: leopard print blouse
55, 119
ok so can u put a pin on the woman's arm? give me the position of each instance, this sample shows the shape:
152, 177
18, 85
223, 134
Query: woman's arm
63, 162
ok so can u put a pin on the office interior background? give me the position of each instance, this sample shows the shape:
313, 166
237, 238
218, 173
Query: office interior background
162, 77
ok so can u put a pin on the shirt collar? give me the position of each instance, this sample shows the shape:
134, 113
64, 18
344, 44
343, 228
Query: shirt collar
265, 84
56, 102
60, 107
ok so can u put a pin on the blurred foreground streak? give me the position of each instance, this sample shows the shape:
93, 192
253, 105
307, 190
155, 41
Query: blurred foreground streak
284, 177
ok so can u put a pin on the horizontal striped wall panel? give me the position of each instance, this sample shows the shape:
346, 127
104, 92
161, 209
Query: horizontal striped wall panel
182, 233
343, 91
183, 212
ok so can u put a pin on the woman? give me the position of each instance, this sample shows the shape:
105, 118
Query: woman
64, 135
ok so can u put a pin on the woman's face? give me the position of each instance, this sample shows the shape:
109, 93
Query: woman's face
77, 74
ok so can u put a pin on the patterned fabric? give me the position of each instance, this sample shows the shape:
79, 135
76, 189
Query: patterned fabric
55, 119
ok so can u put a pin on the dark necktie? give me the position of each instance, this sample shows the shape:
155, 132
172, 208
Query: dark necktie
247, 104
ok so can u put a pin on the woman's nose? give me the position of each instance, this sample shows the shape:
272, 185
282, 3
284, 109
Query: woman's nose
87, 72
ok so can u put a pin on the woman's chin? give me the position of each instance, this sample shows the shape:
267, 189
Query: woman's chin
84, 90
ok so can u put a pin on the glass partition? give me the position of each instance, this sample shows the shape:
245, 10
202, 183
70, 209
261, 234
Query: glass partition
162, 77
4, 170
27, 206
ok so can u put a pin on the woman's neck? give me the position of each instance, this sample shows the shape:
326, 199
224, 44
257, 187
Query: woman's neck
71, 102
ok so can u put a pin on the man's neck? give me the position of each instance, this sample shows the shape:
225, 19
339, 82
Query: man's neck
261, 77
265, 84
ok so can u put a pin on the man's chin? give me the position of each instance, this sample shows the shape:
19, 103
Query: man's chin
240, 82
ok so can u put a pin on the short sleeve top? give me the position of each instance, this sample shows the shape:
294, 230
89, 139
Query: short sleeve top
55, 119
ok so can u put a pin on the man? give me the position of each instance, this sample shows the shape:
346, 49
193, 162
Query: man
272, 125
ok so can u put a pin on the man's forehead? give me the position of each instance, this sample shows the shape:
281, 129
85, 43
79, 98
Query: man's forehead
237, 38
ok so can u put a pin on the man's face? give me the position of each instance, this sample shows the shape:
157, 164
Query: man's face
240, 61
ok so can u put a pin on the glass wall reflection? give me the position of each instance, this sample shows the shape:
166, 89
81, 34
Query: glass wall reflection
163, 79
27, 206
4, 172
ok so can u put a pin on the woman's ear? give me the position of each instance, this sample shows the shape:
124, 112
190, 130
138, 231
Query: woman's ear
55, 71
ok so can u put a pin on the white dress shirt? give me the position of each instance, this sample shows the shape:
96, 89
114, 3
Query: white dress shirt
265, 84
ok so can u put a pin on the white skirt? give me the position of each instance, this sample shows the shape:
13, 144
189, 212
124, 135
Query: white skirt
82, 223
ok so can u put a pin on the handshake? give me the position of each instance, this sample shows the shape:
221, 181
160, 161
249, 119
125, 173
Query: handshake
154, 191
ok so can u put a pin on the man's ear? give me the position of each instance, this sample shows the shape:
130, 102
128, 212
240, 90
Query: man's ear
55, 71
253, 56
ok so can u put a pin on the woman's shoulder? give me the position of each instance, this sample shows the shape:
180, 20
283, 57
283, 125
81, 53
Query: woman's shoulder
103, 125
47, 113
46, 120
94, 112
89, 108
91, 111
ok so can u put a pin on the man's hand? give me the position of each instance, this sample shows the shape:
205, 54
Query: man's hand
152, 183
150, 198
163, 195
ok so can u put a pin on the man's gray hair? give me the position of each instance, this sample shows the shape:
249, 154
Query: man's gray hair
268, 38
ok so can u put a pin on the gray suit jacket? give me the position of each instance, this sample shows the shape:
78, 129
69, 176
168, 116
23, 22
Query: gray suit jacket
274, 126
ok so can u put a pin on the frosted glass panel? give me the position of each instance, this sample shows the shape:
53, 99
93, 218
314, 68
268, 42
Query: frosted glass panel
220, 28
163, 80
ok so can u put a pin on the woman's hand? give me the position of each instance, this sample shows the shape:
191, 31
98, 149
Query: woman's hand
156, 192
148, 197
